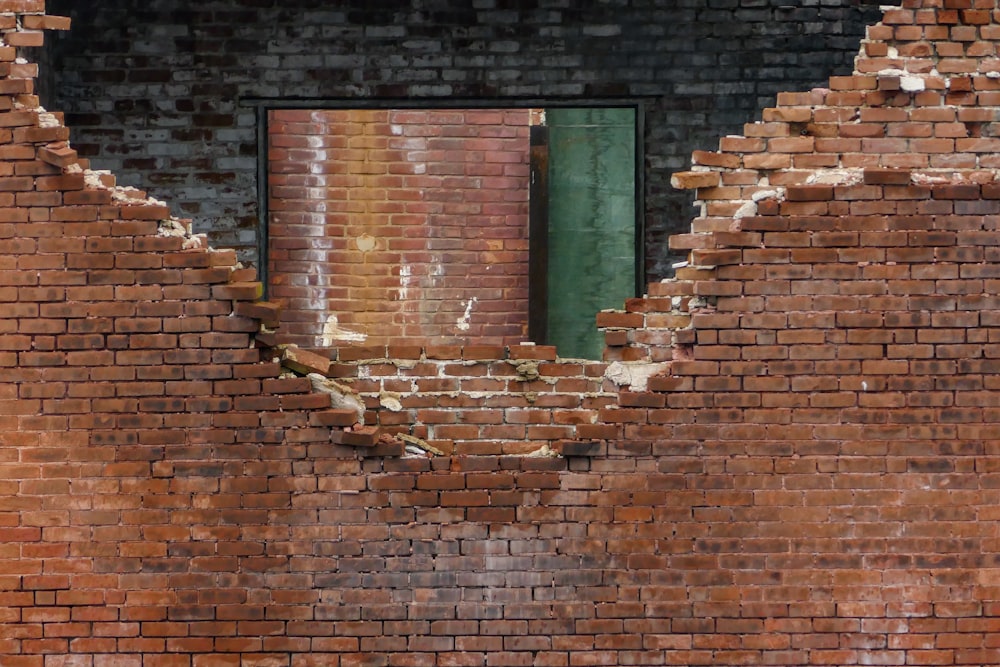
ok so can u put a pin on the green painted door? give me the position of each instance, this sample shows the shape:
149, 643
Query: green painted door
591, 223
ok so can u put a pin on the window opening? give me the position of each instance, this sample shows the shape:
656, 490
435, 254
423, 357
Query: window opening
388, 226
591, 219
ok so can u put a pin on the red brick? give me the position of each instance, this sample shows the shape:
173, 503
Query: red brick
250, 291
59, 156
334, 418
686, 180
539, 352
65, 182
715, 257
40, 22
611, 319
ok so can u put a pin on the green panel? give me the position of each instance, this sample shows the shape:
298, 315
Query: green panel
592, 223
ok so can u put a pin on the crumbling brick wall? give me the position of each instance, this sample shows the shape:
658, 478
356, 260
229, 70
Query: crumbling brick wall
154, 91
405, 225
790, 456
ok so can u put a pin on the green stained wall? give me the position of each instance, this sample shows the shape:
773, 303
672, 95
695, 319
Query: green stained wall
592, 223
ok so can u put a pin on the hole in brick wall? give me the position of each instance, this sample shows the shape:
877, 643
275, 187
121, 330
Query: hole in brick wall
477, 225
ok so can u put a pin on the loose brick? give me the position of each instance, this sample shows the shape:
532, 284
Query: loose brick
58, 156
688, 180
334, 418
42, 22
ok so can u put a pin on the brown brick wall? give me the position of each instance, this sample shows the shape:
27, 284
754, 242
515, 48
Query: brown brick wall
397, 225
790, 456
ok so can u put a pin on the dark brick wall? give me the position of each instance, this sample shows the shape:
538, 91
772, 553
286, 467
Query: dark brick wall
152, 89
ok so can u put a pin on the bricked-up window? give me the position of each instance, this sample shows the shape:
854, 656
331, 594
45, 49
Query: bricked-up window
388, 225
398, 225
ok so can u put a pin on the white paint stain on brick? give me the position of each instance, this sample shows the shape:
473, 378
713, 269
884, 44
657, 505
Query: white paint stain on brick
405, 278
912, 84
333, 333
633, 374
463, 322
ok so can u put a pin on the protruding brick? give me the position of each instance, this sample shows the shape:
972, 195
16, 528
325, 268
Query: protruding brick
45, 22
716, 257
688, 180
334, 418
716, 159
22, 6
611, 319
269, 313
58, 156
304, 361
362, 436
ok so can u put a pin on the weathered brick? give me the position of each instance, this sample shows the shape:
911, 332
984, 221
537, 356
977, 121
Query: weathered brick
689, 180
819, 406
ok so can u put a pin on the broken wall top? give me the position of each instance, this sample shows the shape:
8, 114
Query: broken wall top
922, 101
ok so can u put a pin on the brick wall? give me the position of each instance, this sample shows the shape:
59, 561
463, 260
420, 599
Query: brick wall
400, 225
790, 457
482, 400
154, 90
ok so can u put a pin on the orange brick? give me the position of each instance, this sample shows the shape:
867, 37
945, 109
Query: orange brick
688, 180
